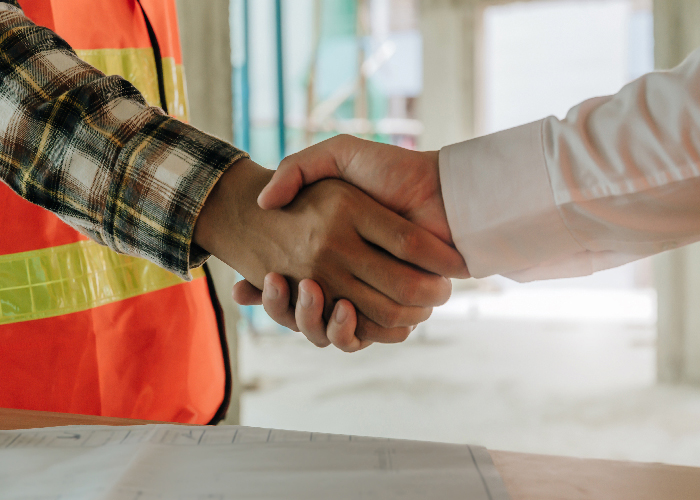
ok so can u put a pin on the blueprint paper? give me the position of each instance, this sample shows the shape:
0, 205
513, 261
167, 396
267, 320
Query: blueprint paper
158, 462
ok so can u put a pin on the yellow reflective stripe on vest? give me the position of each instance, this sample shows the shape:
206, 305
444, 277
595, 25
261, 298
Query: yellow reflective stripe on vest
138, 66
77, 277
72, 278
175, 89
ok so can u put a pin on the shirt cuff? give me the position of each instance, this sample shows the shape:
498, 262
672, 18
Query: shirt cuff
500, 205
164, 176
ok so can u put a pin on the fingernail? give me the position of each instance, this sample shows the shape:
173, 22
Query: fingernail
305, 297
341, 314
271, 291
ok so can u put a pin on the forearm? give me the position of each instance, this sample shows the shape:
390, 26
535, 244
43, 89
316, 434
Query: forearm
617, 180
88, 148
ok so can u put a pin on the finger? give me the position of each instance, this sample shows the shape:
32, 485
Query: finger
383, 310
309, 313
341, 328
410, 242
400, 281
246, 294
295, 172
275, 300
369, 331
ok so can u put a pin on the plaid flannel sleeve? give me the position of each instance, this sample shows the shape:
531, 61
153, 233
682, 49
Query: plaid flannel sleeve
88, 148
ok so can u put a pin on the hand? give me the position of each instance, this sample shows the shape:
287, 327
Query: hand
405, 181
354, 248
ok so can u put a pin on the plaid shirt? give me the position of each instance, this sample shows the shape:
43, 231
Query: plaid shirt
88, 148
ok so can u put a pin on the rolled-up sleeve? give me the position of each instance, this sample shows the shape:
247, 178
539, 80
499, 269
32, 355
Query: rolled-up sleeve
89, 148
617, 180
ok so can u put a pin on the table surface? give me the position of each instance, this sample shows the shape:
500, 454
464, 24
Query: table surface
527, 477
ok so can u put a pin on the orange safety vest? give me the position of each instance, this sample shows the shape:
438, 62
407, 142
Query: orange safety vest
83, 329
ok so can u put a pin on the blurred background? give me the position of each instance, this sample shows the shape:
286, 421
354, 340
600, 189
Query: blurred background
605, 366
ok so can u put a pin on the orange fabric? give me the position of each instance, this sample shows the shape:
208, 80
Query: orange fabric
30, 226
109, 24
39, 11
163, 15
156, 356
132, 359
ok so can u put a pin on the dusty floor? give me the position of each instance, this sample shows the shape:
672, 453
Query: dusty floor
522, 371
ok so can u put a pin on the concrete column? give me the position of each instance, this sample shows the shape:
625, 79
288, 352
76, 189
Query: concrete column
206, 53
447, 104
677, 273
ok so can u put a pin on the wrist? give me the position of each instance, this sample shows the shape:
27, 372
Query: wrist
432, 159
230, 219
428, 204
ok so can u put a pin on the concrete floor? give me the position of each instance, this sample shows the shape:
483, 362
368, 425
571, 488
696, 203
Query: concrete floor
523, 370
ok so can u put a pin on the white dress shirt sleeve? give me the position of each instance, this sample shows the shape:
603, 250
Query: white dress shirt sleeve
617, 180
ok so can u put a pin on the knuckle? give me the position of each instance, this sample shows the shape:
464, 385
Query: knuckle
344, 196
317, 247
404, 334
350, 348
345, 344
307, 323
409, 293
339, 139
447, 291
271, 309
401, 334
390, 317
365, 329
285, 163
407, 241
322, 253
341, 209
423, 315
336, 202
318, 342
288, 163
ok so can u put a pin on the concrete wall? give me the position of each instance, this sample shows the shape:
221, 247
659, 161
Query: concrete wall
206, 52
447, 105
677, 273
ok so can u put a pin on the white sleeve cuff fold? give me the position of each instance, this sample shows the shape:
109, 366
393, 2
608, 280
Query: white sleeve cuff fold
501, 209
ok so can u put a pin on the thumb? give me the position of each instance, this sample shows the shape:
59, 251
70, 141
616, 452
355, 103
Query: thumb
295, 172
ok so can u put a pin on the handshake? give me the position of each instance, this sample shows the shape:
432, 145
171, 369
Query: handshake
364, 260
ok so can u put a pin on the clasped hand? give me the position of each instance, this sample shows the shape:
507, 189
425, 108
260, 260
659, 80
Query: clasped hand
355, 250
